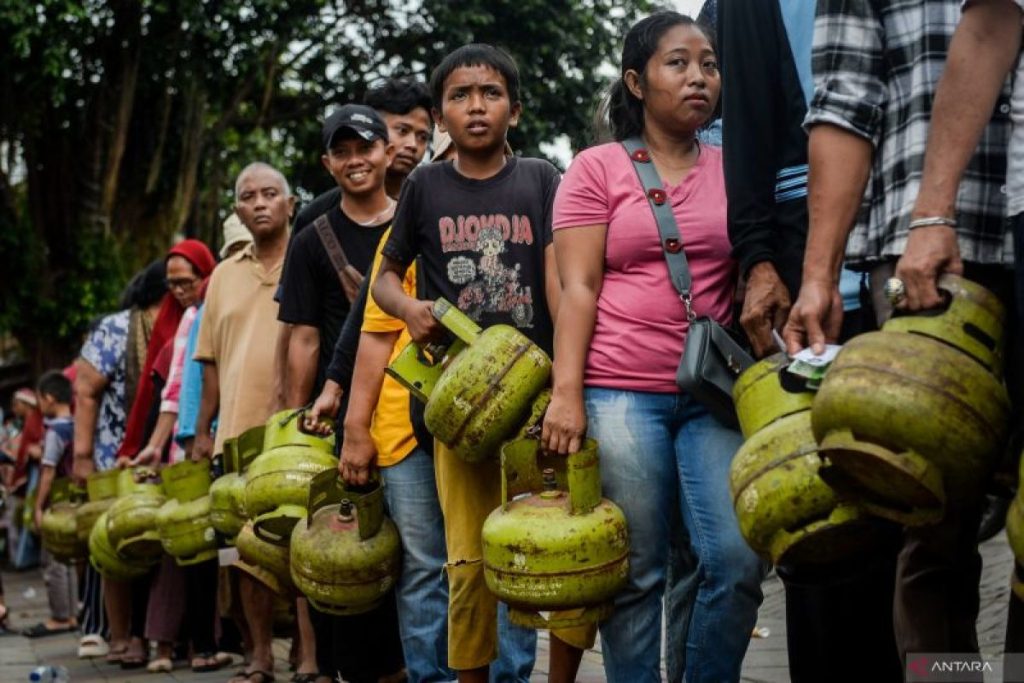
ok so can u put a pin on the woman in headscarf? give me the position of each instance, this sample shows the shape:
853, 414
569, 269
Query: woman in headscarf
187, 264
143, 297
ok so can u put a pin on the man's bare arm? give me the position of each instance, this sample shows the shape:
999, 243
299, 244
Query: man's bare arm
389, 294
840, 165
209, 404
982, 52
284, 337
303, 357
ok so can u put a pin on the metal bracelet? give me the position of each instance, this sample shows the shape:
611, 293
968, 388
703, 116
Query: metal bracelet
932, 221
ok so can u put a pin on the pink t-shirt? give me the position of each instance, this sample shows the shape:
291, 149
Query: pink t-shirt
641, 321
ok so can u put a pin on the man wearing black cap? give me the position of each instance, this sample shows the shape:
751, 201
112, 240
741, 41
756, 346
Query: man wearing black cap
404, 104
322, 274
316, 295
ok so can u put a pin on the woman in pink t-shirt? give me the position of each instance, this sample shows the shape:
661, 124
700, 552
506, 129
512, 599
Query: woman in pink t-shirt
618, 338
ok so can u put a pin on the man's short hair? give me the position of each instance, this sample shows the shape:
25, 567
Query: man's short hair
398, 96
54, 383
262, 166
476, 54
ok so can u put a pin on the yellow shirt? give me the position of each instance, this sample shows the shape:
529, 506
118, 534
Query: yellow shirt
237, 331
391, 428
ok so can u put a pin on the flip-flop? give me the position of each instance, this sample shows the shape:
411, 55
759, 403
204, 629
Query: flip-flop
213, 663
160, 665
115, 656
303, 678
40, 630
262, 676
133, 661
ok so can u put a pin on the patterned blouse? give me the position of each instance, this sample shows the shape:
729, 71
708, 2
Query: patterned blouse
105, 351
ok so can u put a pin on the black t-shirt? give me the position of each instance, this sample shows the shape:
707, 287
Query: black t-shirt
320, 205
481, 242
317, 207
310, 291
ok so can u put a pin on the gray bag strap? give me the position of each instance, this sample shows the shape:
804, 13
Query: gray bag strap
668, 228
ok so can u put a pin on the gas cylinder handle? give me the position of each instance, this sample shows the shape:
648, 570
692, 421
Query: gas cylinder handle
971, 319
578, 473
229, 456
248, 447
457, 322
66, 491
584, 478
328, 488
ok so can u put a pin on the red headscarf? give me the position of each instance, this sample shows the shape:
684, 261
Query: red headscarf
167, 319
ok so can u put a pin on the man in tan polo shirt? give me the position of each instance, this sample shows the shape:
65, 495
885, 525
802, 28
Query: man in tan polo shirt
238, 362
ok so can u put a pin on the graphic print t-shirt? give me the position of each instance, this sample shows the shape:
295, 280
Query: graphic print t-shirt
481, 241
311, 293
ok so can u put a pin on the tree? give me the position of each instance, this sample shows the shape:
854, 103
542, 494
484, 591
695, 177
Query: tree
127, 120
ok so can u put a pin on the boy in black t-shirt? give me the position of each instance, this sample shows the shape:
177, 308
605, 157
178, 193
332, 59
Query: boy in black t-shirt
481, 226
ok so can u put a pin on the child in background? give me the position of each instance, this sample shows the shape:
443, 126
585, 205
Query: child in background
55, 394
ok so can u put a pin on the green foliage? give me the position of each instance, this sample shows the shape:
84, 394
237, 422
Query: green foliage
125, 121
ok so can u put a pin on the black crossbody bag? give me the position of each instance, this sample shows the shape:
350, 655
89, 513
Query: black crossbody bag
712, 358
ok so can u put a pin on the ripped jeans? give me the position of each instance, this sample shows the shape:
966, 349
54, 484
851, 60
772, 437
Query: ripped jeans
663, 456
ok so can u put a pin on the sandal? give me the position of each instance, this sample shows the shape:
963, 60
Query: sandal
303, 678
225, 658
133, 661
160, 665
261, 676
41, 630
91, 646
210, 662
114, 656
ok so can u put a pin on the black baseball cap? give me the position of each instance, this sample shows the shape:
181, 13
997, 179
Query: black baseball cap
362, 120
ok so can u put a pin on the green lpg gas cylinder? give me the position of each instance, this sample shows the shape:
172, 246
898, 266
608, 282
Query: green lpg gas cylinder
562, 548
277, 482
479, 390
916, 413
346, 555
786, 512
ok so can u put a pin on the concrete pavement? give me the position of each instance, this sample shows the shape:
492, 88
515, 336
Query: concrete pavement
765, 662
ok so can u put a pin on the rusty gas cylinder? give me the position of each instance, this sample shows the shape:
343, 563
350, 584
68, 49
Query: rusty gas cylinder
563, 548
916, 413
481, 389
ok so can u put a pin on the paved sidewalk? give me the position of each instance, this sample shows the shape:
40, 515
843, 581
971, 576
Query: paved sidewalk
765, 661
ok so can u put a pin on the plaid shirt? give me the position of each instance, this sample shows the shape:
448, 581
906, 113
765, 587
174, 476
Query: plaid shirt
876, 67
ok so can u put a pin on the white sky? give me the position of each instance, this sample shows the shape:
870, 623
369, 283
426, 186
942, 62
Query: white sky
691, 7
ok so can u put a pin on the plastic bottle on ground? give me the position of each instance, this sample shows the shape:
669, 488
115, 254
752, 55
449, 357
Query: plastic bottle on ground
49, 674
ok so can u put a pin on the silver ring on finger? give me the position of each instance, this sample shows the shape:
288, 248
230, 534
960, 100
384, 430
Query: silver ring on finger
895, 291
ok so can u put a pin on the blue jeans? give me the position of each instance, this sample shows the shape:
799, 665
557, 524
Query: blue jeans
517, 651
660, 453
422, 591
680, 590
